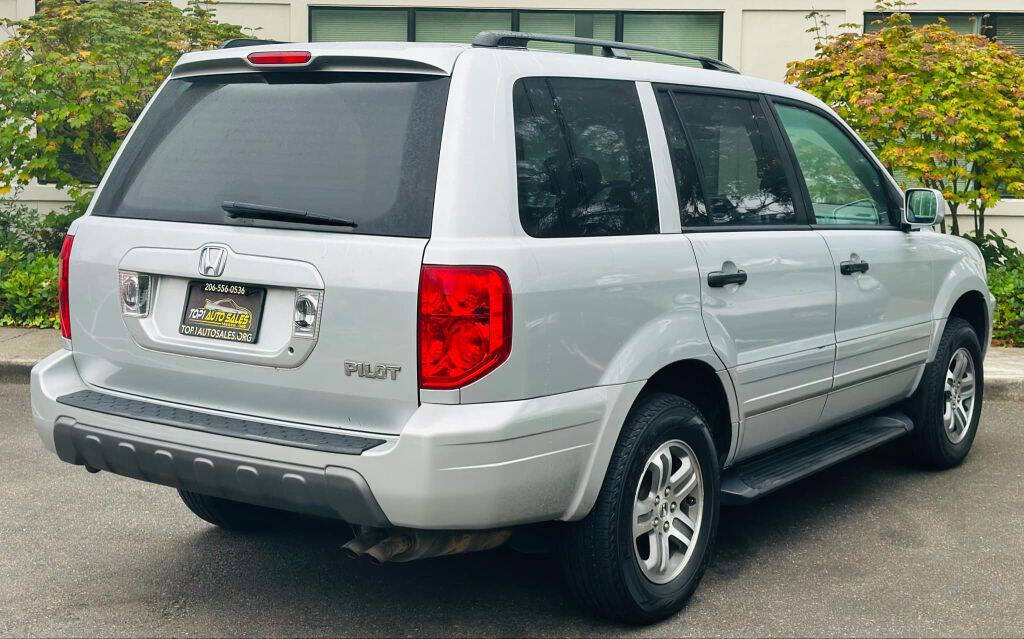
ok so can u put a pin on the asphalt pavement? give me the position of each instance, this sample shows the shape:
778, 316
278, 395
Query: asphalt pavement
872, 547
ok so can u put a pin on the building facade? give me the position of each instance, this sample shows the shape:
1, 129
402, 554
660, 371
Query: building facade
758, 38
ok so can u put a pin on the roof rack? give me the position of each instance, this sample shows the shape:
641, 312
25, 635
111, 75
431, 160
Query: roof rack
609, 48
247, 42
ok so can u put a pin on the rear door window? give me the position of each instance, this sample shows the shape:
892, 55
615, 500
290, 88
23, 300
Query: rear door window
583, 159
738, 162
359, 147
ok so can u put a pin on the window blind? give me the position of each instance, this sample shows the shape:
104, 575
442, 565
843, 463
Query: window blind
1010, 29
699, 33
959, 22
357, 25
458, 26
581, 25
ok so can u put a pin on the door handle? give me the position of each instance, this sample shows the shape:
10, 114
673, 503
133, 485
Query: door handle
849, 268
719, 279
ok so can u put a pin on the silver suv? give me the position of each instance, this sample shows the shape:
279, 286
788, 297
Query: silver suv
454, 295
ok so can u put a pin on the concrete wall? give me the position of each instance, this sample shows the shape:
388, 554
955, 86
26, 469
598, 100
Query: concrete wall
1007, 215
43, 198
758, 37
269, 19
15, 9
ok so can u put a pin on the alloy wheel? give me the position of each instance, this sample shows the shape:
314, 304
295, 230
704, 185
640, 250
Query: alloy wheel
958, 395
667, 511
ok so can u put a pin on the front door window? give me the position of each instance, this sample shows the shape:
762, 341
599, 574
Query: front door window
844, 185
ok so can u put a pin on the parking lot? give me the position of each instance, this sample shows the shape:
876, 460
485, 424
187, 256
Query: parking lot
871, 547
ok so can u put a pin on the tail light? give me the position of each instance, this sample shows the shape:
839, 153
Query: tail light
64, 308
465, 324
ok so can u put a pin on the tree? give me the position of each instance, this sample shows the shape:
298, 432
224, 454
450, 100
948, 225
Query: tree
941, 109
76, 75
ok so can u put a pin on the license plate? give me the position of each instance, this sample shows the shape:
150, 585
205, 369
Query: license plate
222, 310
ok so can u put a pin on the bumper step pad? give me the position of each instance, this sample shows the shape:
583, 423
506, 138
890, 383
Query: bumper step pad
761, 475
219, 424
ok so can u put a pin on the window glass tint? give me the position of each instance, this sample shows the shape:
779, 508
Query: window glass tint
844, 186
692, 211
583, 161
352, 146
743, 176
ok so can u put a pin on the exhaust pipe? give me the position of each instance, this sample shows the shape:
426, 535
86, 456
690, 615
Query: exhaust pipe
362, 542
380, 546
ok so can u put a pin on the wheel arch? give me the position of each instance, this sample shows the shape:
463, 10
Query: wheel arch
971, 306
970, 303
710, 390
707, 386
962, 291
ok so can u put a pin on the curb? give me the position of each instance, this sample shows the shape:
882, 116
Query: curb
14, 371
1008, 388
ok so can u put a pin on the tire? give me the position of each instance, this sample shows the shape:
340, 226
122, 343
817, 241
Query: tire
601, 560
232, 515
933, 443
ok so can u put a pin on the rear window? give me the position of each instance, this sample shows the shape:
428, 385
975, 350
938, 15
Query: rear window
359, 147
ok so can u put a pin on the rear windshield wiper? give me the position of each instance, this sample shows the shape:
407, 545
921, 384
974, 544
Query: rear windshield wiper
261, 212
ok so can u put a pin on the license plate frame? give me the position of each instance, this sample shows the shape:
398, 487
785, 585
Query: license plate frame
226, 311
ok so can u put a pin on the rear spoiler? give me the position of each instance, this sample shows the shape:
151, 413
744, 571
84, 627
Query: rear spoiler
248, 42
231, 58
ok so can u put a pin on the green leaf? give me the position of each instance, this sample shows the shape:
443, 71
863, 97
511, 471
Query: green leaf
939, 108
74, 76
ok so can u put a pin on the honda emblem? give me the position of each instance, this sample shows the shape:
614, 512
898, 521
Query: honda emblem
211, 261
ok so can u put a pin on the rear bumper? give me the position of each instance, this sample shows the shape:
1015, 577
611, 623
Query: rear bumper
328, 492
454, 466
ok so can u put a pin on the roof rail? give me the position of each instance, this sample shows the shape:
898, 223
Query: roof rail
248, 42
609, 48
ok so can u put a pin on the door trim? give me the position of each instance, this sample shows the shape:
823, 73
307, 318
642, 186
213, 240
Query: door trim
908, 346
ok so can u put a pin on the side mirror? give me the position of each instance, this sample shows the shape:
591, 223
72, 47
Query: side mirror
923, 207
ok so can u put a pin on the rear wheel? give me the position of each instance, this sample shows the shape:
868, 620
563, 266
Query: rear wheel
233, 515
946, 407
640, 553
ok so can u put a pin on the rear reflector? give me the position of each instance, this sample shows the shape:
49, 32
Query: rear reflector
279, 57
465, 324
64, 308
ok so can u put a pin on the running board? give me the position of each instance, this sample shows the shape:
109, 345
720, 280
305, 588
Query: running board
756, 477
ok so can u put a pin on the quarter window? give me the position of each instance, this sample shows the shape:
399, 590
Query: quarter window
844, 186
692, 209
583, 159
738, 162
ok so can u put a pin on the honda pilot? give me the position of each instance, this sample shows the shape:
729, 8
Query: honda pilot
462, 295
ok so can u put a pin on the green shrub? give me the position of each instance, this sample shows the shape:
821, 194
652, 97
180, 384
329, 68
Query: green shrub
997, 249
28, 290
51, 230
19, 227
1007, 284
80, 73
24, 230
29, 245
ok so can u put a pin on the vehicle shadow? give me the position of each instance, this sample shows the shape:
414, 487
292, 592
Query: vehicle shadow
295, 581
